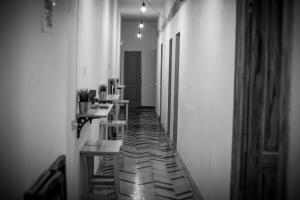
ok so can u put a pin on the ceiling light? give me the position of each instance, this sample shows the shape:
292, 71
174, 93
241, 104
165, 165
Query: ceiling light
139, 35
141, 24
143, 8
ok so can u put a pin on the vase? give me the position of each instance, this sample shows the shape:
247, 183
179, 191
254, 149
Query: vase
83, 107
102, 95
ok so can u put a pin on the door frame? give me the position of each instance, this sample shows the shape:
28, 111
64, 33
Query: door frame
140, 72
241, 99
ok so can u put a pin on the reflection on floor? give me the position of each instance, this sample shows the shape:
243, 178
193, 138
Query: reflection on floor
150, 168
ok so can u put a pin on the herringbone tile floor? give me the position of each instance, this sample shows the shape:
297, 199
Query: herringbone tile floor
150, 170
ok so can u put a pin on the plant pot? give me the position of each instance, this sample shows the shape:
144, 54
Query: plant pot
83, 107
102, 95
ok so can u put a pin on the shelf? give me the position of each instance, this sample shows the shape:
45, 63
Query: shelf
94, 112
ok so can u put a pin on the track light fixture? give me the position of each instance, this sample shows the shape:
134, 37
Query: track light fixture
143, 8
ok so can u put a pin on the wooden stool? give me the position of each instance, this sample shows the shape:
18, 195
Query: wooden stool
91, 181
122, 102
117, 124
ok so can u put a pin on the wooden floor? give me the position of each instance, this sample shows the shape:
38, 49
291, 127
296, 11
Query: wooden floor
150, 168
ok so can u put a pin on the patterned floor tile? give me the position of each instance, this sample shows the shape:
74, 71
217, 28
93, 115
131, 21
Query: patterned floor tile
150, 170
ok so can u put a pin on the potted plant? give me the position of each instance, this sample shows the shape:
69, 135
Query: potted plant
102, 91
83, 95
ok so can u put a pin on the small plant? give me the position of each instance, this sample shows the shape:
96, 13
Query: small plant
102, 88
83, 95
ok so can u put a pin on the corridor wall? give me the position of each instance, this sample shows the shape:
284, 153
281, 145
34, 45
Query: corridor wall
98, 53
36, 67
40, 73
206, 85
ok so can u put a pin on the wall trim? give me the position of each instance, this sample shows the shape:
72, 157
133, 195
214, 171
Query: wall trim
146, 107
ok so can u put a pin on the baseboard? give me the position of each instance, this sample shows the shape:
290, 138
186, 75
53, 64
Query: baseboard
187, 174
146, 107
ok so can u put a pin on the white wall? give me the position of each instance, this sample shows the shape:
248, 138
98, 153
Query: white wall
97, 60
206, 85
34, 72
293, 175
147, 45
40, 74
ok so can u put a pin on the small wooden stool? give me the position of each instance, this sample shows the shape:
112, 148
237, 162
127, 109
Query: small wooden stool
91, 181
117, 124
122, 102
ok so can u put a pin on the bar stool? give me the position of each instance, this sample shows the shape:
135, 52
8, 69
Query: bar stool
92, 181
118, 104
120, 135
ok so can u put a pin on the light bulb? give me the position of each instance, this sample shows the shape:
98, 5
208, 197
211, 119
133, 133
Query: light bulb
141, 25
139, 35
53, 3
143, 8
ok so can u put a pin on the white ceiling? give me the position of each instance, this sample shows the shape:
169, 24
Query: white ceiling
130, 8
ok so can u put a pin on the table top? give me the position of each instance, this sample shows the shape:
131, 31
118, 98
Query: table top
111, 97
101, 147
97, 111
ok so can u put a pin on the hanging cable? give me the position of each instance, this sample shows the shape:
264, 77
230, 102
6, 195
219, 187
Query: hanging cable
156, 11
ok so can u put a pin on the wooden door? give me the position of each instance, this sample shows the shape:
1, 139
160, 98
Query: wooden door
160, 90
169, 87
260, 102
132, 78
176, 88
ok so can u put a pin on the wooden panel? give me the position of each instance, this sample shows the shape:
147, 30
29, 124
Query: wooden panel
132, 78
169, 87
261, 85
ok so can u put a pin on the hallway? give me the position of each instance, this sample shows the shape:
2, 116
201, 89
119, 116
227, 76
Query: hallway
151, 169
217, 79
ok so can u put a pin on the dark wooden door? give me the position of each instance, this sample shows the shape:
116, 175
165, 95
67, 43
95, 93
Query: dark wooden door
260, 109
176, 88
169, 87
132, 78
160, 85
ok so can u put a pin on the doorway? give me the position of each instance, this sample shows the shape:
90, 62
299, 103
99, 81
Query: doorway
160, 90
132, 78
176, 88
260, 102
169, 87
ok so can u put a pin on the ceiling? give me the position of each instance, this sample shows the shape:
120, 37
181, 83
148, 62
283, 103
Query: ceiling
130, 8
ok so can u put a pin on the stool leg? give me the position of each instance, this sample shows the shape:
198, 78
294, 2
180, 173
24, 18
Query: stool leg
117, 110
117, 133
116, 176
126, 115
123, 138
